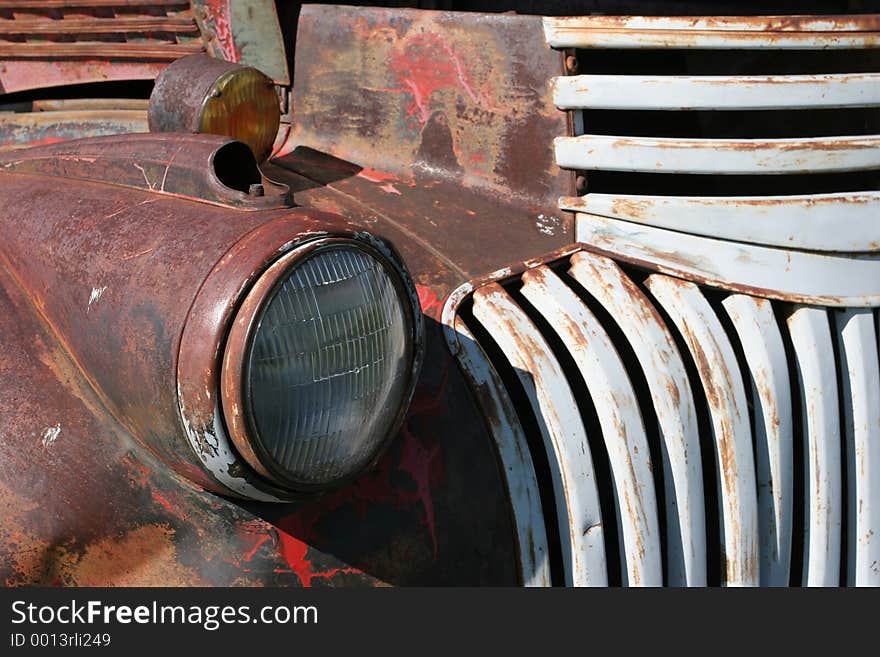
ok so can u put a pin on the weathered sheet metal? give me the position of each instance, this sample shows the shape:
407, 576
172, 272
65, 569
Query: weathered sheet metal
811, 339
246, 32
115, 25
719, 156
758, 332
574, 482
673, 404
619, 417
448, 96
513, 451
210, 168
112, 272
709, 32
843, 221
51, 42
48, 43
722, 384
716, 92
790, 275
26, 129
856, 334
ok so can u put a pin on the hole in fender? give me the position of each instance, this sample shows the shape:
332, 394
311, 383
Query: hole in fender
236, 167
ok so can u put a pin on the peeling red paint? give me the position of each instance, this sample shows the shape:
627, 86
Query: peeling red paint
425, 65
224, 44
428, 300
376, 176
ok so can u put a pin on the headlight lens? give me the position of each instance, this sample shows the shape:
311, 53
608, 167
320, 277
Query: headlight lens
326, 367
242, 104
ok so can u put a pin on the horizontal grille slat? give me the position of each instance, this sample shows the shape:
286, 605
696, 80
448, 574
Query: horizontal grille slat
109, 30
716, 92
724, 125
128, 50
820, 278
819, 222
718, 156
78, 4
777, 32
119, 25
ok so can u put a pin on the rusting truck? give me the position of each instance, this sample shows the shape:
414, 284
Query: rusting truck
574, 294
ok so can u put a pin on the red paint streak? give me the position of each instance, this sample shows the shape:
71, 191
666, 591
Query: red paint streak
260, 540
376, 176
253, 533
427, 64
163, 502
218, 12
42, 141
295, 553
429, 301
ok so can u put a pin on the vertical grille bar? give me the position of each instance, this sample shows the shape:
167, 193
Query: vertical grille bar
621, 422
574, 481
817, 377
722, 384
672, 399
857, 343
758, 332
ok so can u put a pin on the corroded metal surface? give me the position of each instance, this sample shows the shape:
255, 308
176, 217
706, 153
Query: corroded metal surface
246, 32
432, 95
112, 273
27, 129
209, 168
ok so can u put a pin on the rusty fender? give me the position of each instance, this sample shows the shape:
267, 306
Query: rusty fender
99, 481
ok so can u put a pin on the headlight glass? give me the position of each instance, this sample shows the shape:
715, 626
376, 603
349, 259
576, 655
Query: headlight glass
328, 366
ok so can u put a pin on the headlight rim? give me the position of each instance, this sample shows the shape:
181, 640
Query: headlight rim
234, 374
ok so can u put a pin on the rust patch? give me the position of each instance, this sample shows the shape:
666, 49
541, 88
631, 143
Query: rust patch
145, 556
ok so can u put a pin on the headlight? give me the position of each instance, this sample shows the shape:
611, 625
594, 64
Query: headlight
318, 364
201, 94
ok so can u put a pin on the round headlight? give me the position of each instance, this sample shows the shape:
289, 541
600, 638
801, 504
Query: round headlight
200, 94
318, 366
